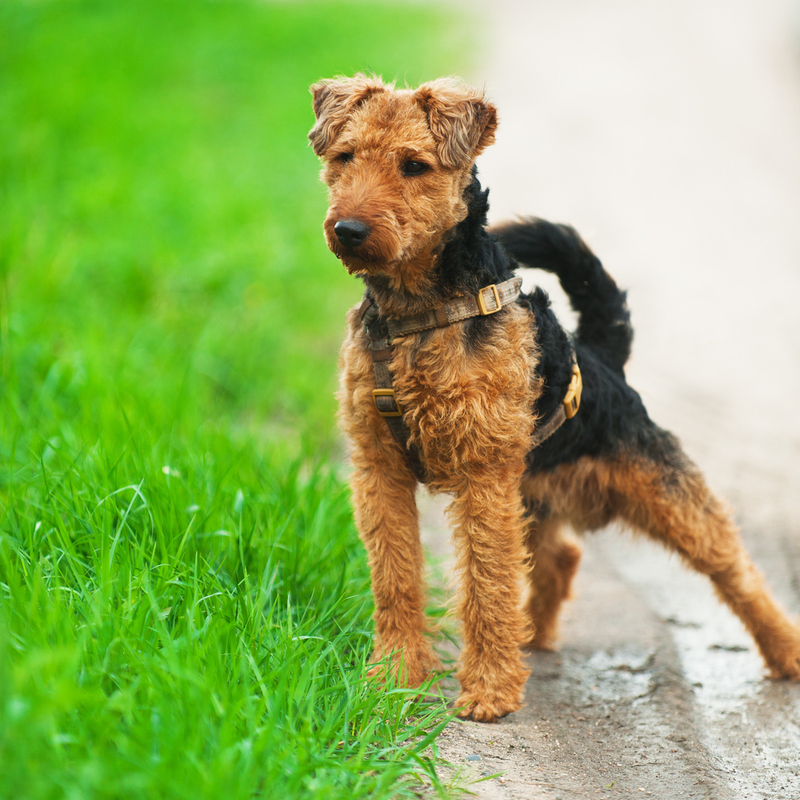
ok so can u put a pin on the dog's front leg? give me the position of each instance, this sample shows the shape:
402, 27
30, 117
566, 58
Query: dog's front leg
488, 516
386, 515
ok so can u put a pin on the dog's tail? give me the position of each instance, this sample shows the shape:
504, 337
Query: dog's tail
604, 322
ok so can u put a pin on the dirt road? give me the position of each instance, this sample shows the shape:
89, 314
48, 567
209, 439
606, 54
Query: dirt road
668, 133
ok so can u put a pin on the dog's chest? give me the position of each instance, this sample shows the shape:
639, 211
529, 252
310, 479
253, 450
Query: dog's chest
466, 402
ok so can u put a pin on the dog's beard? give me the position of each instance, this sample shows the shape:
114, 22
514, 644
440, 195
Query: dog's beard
357, 266
375, 257
363, 266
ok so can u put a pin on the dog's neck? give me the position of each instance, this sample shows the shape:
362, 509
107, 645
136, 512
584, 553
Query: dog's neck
465, 260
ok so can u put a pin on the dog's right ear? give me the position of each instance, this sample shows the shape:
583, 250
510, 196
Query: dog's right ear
334, 102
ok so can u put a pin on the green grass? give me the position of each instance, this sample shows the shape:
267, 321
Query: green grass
184, 604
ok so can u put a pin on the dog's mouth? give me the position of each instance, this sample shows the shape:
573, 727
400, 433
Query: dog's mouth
361, 260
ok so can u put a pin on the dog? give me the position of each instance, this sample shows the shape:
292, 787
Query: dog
452, 377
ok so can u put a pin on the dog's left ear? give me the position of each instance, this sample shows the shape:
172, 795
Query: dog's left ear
460, 119
334, 101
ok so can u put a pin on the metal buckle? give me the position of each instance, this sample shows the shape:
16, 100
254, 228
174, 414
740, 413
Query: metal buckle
376, 393
572, 399
482, 303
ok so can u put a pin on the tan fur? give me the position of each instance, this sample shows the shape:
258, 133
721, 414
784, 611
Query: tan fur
470, 417
679, 511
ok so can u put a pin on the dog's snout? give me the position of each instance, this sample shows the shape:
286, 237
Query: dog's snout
351, 233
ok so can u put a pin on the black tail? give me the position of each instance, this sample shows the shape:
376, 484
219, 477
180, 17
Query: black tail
604, 322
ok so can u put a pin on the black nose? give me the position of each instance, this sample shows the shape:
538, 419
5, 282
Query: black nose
351, 233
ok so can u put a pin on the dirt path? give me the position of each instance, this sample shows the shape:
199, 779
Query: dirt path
668, 133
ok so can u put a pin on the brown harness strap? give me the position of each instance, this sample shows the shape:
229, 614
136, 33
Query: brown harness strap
567, 409
381, 332
383, 395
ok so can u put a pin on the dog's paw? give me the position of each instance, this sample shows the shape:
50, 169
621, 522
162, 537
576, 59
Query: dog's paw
787, 668
782, 652
484, 709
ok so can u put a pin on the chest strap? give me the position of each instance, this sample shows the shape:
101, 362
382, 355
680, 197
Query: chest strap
381, 331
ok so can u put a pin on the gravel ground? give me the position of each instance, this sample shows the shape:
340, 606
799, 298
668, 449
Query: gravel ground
668, 134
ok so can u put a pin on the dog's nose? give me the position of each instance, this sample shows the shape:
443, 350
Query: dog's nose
351, 233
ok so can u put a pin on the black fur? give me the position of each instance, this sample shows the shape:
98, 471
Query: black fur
612, 417
472, 258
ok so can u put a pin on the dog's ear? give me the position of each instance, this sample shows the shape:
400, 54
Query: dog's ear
460, 119
334, 101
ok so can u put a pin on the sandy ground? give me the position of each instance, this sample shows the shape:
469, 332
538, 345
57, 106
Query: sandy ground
668, 133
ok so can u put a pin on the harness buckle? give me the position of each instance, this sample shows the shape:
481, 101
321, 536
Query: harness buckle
572, 399
482, 302
384, 408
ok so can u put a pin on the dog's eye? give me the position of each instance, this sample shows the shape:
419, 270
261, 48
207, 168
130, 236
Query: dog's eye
414, 168
344, 158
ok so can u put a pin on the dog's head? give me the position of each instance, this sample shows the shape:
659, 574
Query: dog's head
396, 165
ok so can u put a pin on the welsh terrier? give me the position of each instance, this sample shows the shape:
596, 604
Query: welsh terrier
454, 378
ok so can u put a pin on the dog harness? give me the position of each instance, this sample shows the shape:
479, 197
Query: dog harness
382, 331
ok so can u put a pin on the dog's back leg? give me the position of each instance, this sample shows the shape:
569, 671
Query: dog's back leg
555, 555
669, 500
